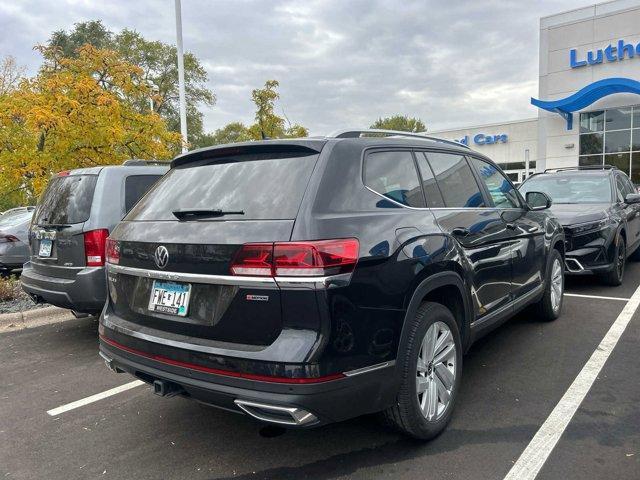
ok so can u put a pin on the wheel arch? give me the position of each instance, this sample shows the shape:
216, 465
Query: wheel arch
447, 288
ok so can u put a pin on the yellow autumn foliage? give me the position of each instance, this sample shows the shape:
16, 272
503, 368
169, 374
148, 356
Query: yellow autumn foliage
77, 112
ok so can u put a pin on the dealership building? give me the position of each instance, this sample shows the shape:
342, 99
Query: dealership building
588, 103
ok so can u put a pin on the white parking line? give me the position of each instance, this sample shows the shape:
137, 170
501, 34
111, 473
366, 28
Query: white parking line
597, 297
94, 398
535, 455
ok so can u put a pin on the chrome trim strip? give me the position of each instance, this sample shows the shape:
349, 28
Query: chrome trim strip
193, 277
371, 368
573, 270
283, 282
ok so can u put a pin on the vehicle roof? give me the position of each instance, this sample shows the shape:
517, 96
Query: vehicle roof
311, 144
142, 169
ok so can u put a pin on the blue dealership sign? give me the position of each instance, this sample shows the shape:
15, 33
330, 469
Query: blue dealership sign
484, 139
611, 53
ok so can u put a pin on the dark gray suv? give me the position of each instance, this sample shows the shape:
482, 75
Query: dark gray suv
70, 226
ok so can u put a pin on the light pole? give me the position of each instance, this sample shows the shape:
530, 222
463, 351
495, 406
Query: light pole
183, 105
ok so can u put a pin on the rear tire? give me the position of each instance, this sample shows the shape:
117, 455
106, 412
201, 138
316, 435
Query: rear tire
431, 368
549, 306
615, 276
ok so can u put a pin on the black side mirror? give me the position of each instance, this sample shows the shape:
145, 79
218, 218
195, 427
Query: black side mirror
632, 198
538, 200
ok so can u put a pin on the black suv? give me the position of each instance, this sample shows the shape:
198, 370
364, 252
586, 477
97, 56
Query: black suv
309, 281
599, 209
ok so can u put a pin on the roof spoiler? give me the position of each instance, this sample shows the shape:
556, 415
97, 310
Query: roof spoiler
246, 148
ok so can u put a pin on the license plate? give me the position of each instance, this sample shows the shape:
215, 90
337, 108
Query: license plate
45, 248
170, 297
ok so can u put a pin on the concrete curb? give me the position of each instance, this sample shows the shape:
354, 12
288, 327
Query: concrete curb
33, 318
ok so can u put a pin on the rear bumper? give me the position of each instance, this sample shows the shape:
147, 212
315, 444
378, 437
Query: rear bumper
13, 255
357, 393
84, 293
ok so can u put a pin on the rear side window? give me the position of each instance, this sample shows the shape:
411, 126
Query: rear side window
394, 175
456, 181
66, 200
135, 186
502, 192
262, 186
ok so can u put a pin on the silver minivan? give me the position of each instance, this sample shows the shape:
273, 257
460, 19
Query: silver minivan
70, 227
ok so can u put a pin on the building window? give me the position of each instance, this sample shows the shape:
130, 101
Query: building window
612, 137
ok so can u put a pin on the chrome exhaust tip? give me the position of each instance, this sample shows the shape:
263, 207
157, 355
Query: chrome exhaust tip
292, 416
109, 363
573, 265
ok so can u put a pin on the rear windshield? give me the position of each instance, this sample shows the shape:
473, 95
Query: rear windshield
14, 218
260, 186
66, 200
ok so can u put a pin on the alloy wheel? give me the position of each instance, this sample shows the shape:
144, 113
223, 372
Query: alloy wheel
436, 371
556, 285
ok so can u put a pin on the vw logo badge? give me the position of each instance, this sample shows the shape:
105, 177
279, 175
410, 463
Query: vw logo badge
161, 256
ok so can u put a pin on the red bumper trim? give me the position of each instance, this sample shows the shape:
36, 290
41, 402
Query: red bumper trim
217, 371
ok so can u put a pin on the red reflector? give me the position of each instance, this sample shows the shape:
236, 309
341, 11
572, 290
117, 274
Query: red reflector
287, 259
253, 259
94, 247
113, 251
323, 257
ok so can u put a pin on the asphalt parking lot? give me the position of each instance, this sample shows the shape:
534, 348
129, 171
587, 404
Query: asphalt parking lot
512, 381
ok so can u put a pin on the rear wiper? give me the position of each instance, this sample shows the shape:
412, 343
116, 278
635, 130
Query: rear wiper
57, 226
187, 214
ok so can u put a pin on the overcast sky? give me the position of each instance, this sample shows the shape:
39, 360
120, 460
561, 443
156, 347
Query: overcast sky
340, 63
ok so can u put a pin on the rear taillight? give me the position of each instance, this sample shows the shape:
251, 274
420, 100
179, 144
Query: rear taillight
94, 247
297, 259
8, 239
254, 259
113, 251
64, 173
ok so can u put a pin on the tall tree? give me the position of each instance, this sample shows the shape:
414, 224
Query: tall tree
268, 124
401, 123
158, 61
76, 112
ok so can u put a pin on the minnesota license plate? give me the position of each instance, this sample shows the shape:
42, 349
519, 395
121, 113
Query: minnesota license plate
45, 248
170, 297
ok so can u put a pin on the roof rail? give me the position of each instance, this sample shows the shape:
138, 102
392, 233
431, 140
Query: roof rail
582, 167
140, 163
357, 133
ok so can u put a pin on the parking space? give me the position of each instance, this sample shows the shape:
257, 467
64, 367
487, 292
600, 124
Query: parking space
512, 381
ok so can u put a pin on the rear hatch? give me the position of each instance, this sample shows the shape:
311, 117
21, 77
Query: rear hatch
194, 222
57, 240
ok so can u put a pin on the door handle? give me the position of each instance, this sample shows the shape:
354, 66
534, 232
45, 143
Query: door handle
460, 232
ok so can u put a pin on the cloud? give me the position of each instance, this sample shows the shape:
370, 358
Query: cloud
339, 63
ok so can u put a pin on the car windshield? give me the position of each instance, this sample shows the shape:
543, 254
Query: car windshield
578, 188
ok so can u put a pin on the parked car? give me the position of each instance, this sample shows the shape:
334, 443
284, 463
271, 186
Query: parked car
599, 209
70, 226
14, 240
16, 210
309, 281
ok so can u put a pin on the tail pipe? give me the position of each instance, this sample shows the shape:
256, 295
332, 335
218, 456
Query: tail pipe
573, 265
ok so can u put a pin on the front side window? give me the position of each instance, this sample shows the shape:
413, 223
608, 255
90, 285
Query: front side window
393, 175
501, 190
456, 180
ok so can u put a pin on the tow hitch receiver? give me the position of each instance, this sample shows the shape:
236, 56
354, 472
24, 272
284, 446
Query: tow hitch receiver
166, 389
